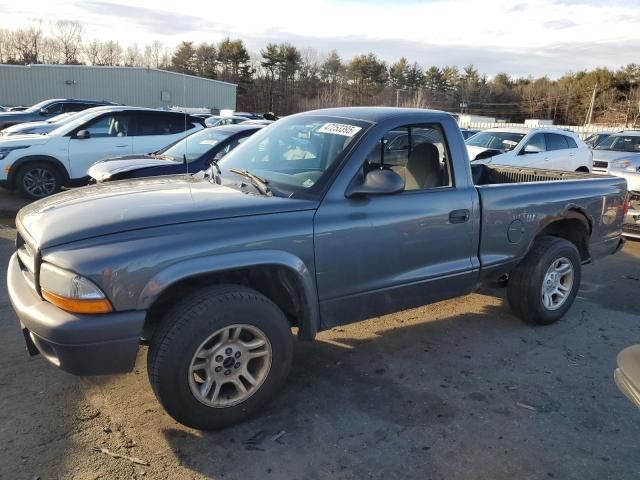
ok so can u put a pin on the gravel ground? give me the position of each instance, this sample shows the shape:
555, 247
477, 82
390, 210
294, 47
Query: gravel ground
456, 390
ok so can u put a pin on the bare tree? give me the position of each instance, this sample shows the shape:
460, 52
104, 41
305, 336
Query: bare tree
69, 36
26, 43
92, 52
110, 53
132, 56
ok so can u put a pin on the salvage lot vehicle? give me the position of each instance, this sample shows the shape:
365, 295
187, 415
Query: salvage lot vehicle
46, 109
304, 226
620, 151
627, 375
549, 148
39, 165
217, 121
631, 226
50, 124
191, 154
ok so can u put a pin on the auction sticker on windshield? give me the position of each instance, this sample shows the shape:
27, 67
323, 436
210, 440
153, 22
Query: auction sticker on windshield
339, 129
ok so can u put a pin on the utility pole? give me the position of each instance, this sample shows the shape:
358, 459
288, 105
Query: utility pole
397, 97
589, 117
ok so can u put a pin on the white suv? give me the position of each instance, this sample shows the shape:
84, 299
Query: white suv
39, 165
548, 148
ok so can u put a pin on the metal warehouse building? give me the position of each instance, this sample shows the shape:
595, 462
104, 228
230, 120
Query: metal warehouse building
142, 87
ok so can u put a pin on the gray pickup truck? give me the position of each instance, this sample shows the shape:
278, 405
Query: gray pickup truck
323, 218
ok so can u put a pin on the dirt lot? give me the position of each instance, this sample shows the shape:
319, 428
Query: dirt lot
456, 390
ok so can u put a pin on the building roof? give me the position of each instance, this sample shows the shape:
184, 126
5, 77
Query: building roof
107, 67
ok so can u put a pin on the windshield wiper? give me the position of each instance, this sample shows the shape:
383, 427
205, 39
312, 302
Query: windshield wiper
259, 183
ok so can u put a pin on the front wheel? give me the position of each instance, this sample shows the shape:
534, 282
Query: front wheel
543, 287
38, 180
219, 355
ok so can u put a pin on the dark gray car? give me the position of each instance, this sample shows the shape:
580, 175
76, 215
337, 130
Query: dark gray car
307, 226
47, 109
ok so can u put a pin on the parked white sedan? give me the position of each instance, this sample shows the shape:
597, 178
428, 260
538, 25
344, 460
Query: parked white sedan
39, 165
548, 148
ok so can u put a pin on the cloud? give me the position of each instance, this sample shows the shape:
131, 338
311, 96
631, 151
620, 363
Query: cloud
559, 24
521, 38
153, 20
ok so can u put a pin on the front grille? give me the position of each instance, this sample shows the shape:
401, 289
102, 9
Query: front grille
26, 259
632, 229
600, 164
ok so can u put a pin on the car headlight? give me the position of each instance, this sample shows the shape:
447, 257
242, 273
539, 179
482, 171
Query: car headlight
4, 151
71, 292
621, 164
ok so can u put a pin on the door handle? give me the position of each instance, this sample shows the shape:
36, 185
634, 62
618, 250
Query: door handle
121, 146
459, 216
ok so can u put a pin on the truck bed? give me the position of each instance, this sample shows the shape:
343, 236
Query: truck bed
496, 174
517, 203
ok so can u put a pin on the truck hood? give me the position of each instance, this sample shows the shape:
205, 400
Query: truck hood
120, 206
105, 169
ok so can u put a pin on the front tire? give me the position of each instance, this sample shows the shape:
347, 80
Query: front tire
544, 285
219, 356
38, 180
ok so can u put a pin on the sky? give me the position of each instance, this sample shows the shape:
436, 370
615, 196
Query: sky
532, 37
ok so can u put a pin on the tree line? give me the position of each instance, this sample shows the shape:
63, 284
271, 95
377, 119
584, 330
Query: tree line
285, 79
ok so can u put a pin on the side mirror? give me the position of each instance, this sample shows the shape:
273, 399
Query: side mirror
44, 111
83, 134
376, 182
530, 149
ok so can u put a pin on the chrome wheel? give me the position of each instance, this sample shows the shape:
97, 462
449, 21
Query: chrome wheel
230, 366
557, 284
39, 182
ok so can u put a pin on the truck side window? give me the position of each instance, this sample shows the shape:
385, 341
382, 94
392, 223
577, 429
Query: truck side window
418, 153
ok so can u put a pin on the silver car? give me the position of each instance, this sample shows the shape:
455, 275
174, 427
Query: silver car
620, 151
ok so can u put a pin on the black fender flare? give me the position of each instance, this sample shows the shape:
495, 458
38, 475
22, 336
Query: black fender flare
15, 167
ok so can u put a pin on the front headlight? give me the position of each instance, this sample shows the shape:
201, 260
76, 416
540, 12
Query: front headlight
72, 292
621, 164
4, 151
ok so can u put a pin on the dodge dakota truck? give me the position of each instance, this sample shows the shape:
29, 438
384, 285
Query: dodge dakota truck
315, 221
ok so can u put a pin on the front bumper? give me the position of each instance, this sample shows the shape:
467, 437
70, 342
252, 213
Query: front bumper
78, 344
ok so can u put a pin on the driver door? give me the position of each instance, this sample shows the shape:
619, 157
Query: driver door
108, 137
381, 253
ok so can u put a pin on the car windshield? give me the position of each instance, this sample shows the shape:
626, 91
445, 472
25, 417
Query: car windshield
196, 145
296, 154
505, 141
620, 143
38, 106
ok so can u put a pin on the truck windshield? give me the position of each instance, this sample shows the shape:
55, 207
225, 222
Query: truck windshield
504, 141
296, 154
620, 143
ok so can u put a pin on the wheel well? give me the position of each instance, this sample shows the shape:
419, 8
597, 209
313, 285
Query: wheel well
582, 169
20, 163
275, 282
572, 229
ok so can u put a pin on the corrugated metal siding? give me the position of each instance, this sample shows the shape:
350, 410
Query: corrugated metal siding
26, 85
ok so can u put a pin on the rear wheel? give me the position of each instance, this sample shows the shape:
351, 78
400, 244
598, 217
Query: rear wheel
543, 287
38, 180
219, 355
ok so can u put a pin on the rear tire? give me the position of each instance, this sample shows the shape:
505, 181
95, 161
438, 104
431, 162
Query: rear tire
544, 285
38, 180
207, 381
